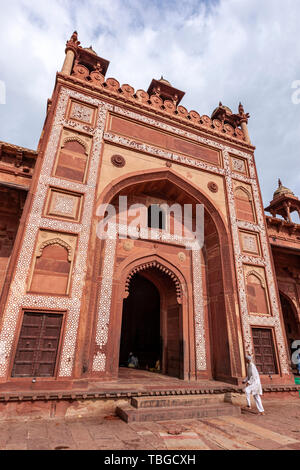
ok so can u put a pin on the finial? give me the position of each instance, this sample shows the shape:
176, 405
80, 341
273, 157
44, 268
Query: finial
279, 183
74, 37
73, 41
71, 49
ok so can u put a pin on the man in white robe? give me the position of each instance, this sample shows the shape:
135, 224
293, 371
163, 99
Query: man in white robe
253, 385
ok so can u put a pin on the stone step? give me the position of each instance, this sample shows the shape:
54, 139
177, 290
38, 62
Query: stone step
173, 401
129, 414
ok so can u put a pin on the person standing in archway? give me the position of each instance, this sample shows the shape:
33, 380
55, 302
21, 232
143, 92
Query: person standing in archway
253, 385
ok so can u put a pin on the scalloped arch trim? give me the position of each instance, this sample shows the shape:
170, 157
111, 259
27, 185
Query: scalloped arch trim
160, 267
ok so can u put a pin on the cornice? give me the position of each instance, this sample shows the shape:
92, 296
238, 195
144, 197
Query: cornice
115, 97
11, 148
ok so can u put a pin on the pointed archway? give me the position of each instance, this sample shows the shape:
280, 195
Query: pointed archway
152, 319
292, 327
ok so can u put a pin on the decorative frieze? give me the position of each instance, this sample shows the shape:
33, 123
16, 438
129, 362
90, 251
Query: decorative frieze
104, 306
201, 362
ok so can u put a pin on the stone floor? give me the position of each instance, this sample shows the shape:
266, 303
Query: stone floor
278, 429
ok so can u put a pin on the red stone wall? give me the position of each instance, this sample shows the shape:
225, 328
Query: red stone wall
11, 206
51, 271
71, 162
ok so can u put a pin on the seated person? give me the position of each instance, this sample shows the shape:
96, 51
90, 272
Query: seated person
156, 368
133, 361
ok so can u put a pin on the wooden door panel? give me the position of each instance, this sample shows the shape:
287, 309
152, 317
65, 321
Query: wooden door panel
264, 350
23, 369
38, 345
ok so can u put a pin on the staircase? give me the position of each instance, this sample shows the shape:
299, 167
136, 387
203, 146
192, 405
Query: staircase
175, 408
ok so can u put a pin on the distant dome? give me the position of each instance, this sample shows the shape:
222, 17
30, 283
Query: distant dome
282, 190
90, 49
163, 80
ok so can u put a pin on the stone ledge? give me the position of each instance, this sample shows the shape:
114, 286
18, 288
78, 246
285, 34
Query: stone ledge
73, 396
130, 414
110, 395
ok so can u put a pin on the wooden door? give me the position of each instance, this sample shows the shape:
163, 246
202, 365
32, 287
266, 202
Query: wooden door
38, 345
264, 351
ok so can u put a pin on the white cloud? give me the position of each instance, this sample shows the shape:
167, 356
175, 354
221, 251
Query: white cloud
230, 50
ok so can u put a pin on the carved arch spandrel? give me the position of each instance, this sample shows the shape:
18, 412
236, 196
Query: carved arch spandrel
51, 239
262, 283
159, 267
72, 163
75, 139
244, 190
258, 276
244, 204
131, 265
55, 241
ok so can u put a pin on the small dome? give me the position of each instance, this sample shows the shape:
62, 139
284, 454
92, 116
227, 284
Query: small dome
163, 80
90, 49
221, 107
282, 190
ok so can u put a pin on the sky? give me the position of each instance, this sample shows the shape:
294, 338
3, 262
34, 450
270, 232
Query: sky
214, 50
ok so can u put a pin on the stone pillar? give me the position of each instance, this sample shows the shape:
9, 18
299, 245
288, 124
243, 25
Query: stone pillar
71, 50
68, 63
243, 118
287, 206
245, 130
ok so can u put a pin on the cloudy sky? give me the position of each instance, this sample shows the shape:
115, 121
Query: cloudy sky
214, 50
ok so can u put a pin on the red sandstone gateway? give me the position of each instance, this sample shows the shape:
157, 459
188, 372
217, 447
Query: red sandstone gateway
73, 306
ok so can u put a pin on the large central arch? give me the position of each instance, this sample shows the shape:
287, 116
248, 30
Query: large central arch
222, 325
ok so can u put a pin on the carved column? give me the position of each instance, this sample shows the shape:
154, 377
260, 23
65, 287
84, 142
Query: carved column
244, 127
68, 63
70, 54
244, 122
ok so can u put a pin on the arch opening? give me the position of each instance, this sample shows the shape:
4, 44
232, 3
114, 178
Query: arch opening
292, 327
151, 323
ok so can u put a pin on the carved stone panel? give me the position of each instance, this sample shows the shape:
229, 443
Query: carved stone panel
250, 243
63, 204
72, 159
52, 263
239, 165
257, 290
81, 112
